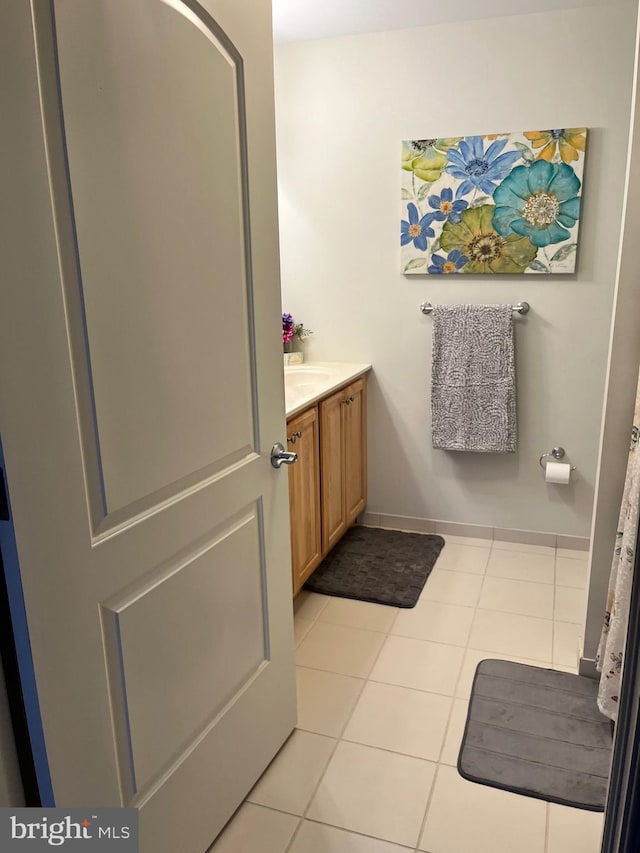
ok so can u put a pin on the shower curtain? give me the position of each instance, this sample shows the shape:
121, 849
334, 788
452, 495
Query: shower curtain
612, 640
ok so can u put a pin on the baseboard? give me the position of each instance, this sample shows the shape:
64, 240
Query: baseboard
397, 522
587, 667
475, 531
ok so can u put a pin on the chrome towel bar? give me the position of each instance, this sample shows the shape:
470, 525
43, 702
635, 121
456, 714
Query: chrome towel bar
520, 308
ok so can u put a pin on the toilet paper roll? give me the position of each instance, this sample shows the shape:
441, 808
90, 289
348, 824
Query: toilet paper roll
557, 472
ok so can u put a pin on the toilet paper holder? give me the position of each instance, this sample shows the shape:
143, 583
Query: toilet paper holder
557, 453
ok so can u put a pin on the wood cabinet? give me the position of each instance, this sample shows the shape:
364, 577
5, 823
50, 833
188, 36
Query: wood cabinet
354, 436
332, 477
343, 460
304, 490
328, 483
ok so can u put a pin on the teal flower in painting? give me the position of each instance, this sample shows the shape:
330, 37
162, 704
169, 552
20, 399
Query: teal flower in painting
540, 202
416, 229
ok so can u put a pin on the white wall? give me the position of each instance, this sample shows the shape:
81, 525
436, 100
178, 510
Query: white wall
342, 106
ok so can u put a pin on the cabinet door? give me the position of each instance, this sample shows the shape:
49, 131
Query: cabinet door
304, 496
355, 450
333, 505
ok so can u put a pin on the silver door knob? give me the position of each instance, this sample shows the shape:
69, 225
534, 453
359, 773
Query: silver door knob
279, 456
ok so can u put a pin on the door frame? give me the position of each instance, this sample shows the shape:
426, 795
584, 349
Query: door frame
17, 663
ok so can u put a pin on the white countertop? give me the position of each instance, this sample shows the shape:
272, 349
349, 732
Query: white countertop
305, 384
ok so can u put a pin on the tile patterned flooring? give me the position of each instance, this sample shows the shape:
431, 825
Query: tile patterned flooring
382, 702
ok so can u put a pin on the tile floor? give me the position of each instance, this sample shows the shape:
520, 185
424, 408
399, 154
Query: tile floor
382, 702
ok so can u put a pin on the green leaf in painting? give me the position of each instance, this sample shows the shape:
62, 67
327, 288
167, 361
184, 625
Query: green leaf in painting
484, 199
414, 264
435, 245
405, 193
538, 266
527, 154
564, 252
423, 192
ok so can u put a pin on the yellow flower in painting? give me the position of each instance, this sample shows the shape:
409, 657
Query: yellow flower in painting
485, 250
426, 158
567, 140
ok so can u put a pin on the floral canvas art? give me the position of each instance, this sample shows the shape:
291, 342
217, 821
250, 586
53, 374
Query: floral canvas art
499, 203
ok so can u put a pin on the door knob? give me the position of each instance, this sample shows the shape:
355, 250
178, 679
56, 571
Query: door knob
279, 456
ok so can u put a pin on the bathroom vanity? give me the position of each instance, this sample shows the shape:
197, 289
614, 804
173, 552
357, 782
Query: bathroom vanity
327, 427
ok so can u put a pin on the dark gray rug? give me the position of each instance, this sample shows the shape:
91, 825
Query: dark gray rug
537, 732
383, 566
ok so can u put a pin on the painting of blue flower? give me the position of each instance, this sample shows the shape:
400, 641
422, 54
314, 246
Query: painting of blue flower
502, 203
445, 207
477, 168
416, 229
454, 261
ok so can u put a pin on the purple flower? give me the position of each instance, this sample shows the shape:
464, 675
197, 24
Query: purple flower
416, 229
287, 328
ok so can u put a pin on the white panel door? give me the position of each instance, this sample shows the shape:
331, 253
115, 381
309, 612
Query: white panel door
141, 392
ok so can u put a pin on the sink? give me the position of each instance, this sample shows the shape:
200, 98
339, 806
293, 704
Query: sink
301, 377
303, 383
306, 383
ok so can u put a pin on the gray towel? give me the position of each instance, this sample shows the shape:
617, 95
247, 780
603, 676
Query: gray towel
473, 393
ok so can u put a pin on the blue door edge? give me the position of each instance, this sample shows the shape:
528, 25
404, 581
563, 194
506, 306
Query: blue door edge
27, 675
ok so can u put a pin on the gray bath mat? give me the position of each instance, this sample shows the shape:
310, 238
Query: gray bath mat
537, 732
383, 566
